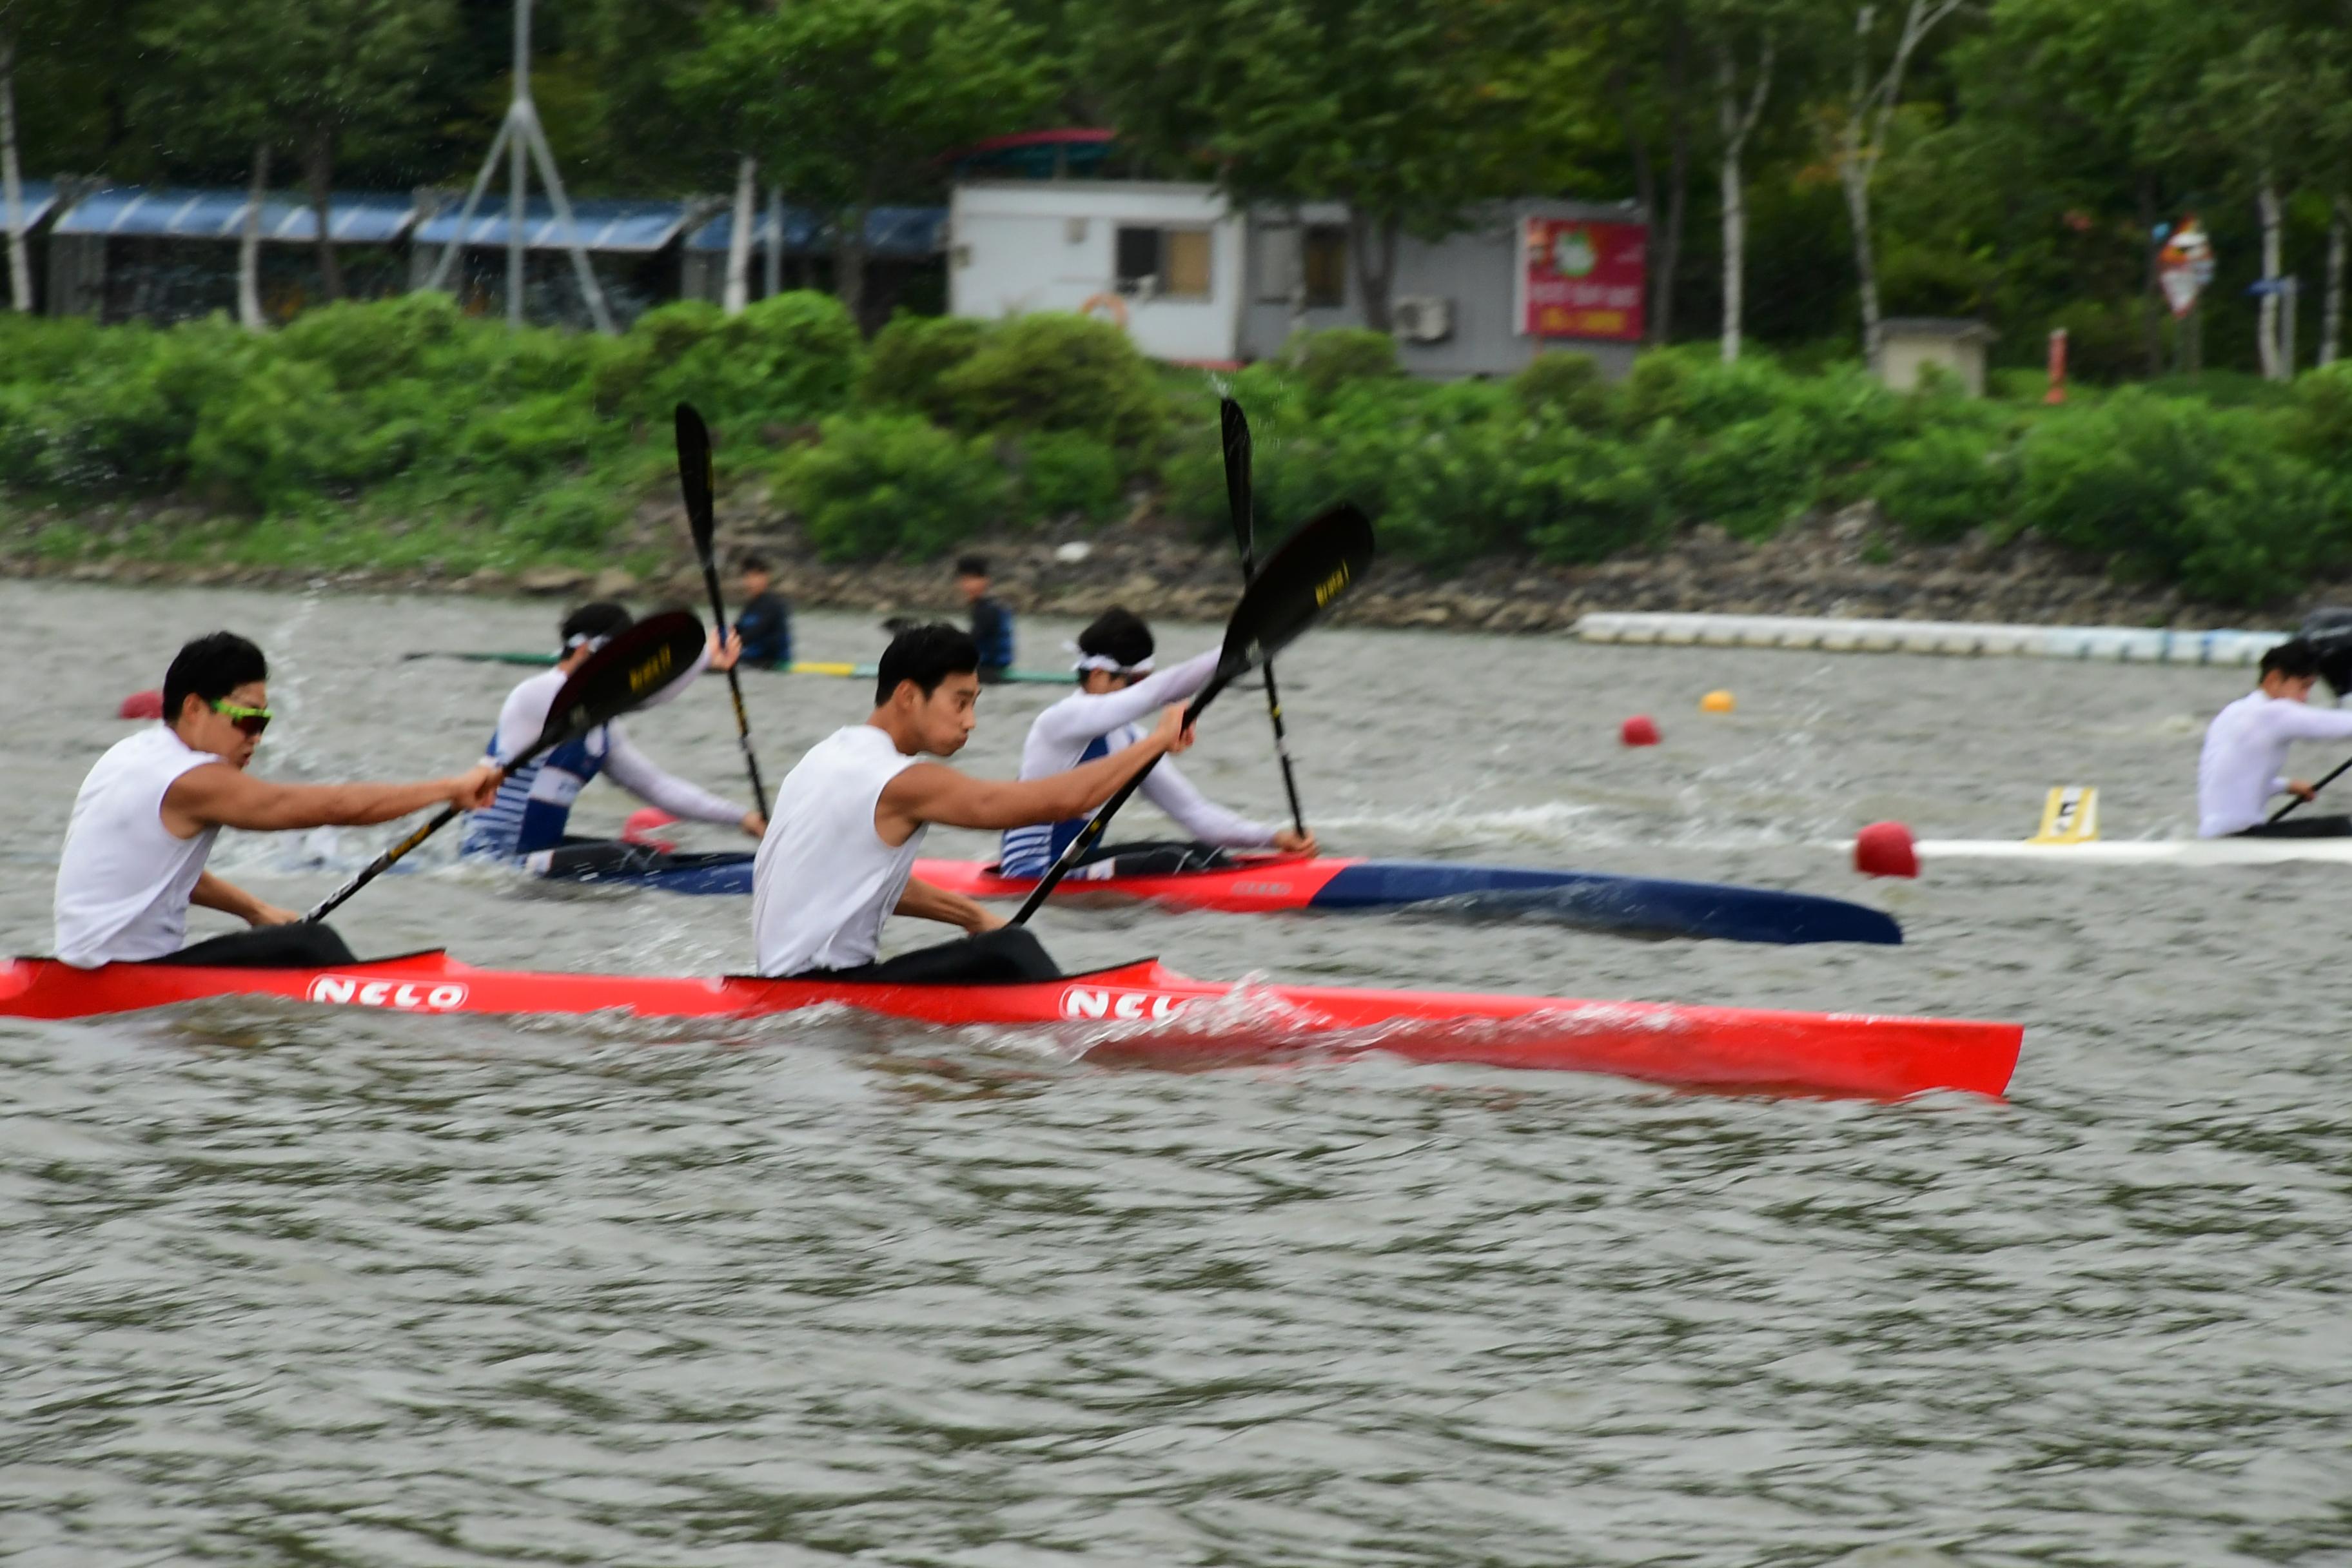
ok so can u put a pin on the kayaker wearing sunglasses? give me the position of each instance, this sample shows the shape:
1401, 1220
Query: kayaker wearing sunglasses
839, 858
2244, 760
1118, 687
531, 817
148, 814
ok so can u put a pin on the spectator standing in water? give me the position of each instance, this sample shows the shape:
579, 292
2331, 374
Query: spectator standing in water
765, 621
991, 623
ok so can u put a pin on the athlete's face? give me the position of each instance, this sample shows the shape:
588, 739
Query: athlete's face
207, 729
944, 721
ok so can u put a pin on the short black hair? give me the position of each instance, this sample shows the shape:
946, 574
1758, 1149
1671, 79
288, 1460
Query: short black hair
925, 655
2295, 658
755, 563
602, 619
972, 565
211, 667
1118, 634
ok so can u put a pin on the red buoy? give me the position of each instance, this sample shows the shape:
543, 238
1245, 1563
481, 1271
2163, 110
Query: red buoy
1885, 849
642, 824
142, 705
1639, 731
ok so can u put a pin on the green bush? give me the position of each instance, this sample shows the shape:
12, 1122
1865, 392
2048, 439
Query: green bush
1945, 481
1327, 361
1063, 474
910, 356
891, 484
1059, 371
791, 357
1751, 477
1563, 386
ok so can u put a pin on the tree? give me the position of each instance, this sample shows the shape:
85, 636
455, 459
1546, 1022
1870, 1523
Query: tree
849, 102
1402, 110
1876, 93
1743, 43
301, 75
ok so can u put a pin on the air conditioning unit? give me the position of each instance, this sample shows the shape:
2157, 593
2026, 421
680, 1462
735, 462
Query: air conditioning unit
1422, 317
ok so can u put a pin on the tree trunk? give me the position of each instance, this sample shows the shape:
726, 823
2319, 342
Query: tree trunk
248, 246
2266, 333
1738, 123
775, 251
1373, 241
1669, 257
319, 171
849, 263
2331, 317
739, 240
12, 184
1856, 181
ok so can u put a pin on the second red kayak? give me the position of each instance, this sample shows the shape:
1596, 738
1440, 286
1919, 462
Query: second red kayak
1148, 1011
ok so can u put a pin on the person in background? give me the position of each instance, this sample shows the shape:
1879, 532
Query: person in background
2244, 759
991, 623
765, 621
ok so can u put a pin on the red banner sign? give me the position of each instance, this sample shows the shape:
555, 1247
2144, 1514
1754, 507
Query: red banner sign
1579, 280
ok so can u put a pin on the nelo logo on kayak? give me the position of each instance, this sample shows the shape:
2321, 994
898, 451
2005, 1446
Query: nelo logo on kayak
1095, 1002
401, 995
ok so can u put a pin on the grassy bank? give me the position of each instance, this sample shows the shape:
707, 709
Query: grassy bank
401, 434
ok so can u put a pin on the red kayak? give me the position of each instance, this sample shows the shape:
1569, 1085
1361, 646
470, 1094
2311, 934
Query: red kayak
1152, 1012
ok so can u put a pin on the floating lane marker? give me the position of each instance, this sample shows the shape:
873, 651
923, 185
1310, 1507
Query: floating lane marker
1826, 634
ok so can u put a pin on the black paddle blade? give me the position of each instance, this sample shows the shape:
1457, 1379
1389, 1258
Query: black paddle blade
628, 671
1238, 499
1314, 568
694, 477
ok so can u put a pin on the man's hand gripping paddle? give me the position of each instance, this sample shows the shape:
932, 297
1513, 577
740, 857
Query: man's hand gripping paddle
1241, 501
623, 674
2337, 772
1312, 570
702, 519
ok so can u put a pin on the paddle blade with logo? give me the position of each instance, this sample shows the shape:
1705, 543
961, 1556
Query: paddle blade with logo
694, 476
1313, 570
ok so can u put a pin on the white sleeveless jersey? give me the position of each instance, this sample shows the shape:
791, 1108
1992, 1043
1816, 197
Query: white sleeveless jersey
123, 881
824, 881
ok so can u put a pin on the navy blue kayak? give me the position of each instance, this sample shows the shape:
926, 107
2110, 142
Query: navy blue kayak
1635, 906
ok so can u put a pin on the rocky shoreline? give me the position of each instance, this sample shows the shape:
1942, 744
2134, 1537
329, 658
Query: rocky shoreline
1847, 564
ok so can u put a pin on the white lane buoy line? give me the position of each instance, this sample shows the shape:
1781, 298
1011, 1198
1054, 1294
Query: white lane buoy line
1831, 634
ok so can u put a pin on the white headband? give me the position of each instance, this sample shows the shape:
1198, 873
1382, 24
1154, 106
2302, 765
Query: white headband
581, 640
1096, 661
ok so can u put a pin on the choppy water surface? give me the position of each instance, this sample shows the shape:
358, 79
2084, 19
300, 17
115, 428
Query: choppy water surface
284, 1286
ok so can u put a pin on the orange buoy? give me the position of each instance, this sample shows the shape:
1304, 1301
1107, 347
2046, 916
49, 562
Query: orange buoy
1716, 703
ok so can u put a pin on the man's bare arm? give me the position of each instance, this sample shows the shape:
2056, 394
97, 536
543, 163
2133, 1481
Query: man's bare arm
923, 901
933, 792
218, 796
213, 892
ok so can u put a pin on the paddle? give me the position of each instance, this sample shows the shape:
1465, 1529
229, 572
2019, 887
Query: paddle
1241, 501
620, 676
1314, 568
702, 519
2339, 770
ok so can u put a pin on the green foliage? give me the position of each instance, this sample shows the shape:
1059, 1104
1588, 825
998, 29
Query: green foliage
1328, 361
1068, 473
791, 357
891, 484
1565, 386
1057, 372
1945, 481
909, 357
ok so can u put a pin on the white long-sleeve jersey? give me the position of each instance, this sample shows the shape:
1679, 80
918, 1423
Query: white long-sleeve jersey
533, 807
2244, 759
1082, 727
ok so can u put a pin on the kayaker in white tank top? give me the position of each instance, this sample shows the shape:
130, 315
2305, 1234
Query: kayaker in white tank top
848, 820
148, 814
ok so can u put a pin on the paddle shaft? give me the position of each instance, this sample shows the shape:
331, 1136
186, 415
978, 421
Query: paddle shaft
1241, 497
2340, 769
735, 690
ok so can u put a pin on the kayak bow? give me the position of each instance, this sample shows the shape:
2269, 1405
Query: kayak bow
1595, 901
1148, 1012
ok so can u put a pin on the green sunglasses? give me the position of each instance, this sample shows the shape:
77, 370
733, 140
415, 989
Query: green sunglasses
251, 721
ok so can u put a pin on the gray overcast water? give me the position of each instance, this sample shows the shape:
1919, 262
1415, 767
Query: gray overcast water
285, 1285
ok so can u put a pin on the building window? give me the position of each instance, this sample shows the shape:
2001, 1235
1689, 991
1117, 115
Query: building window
1326, 267
1165, 263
